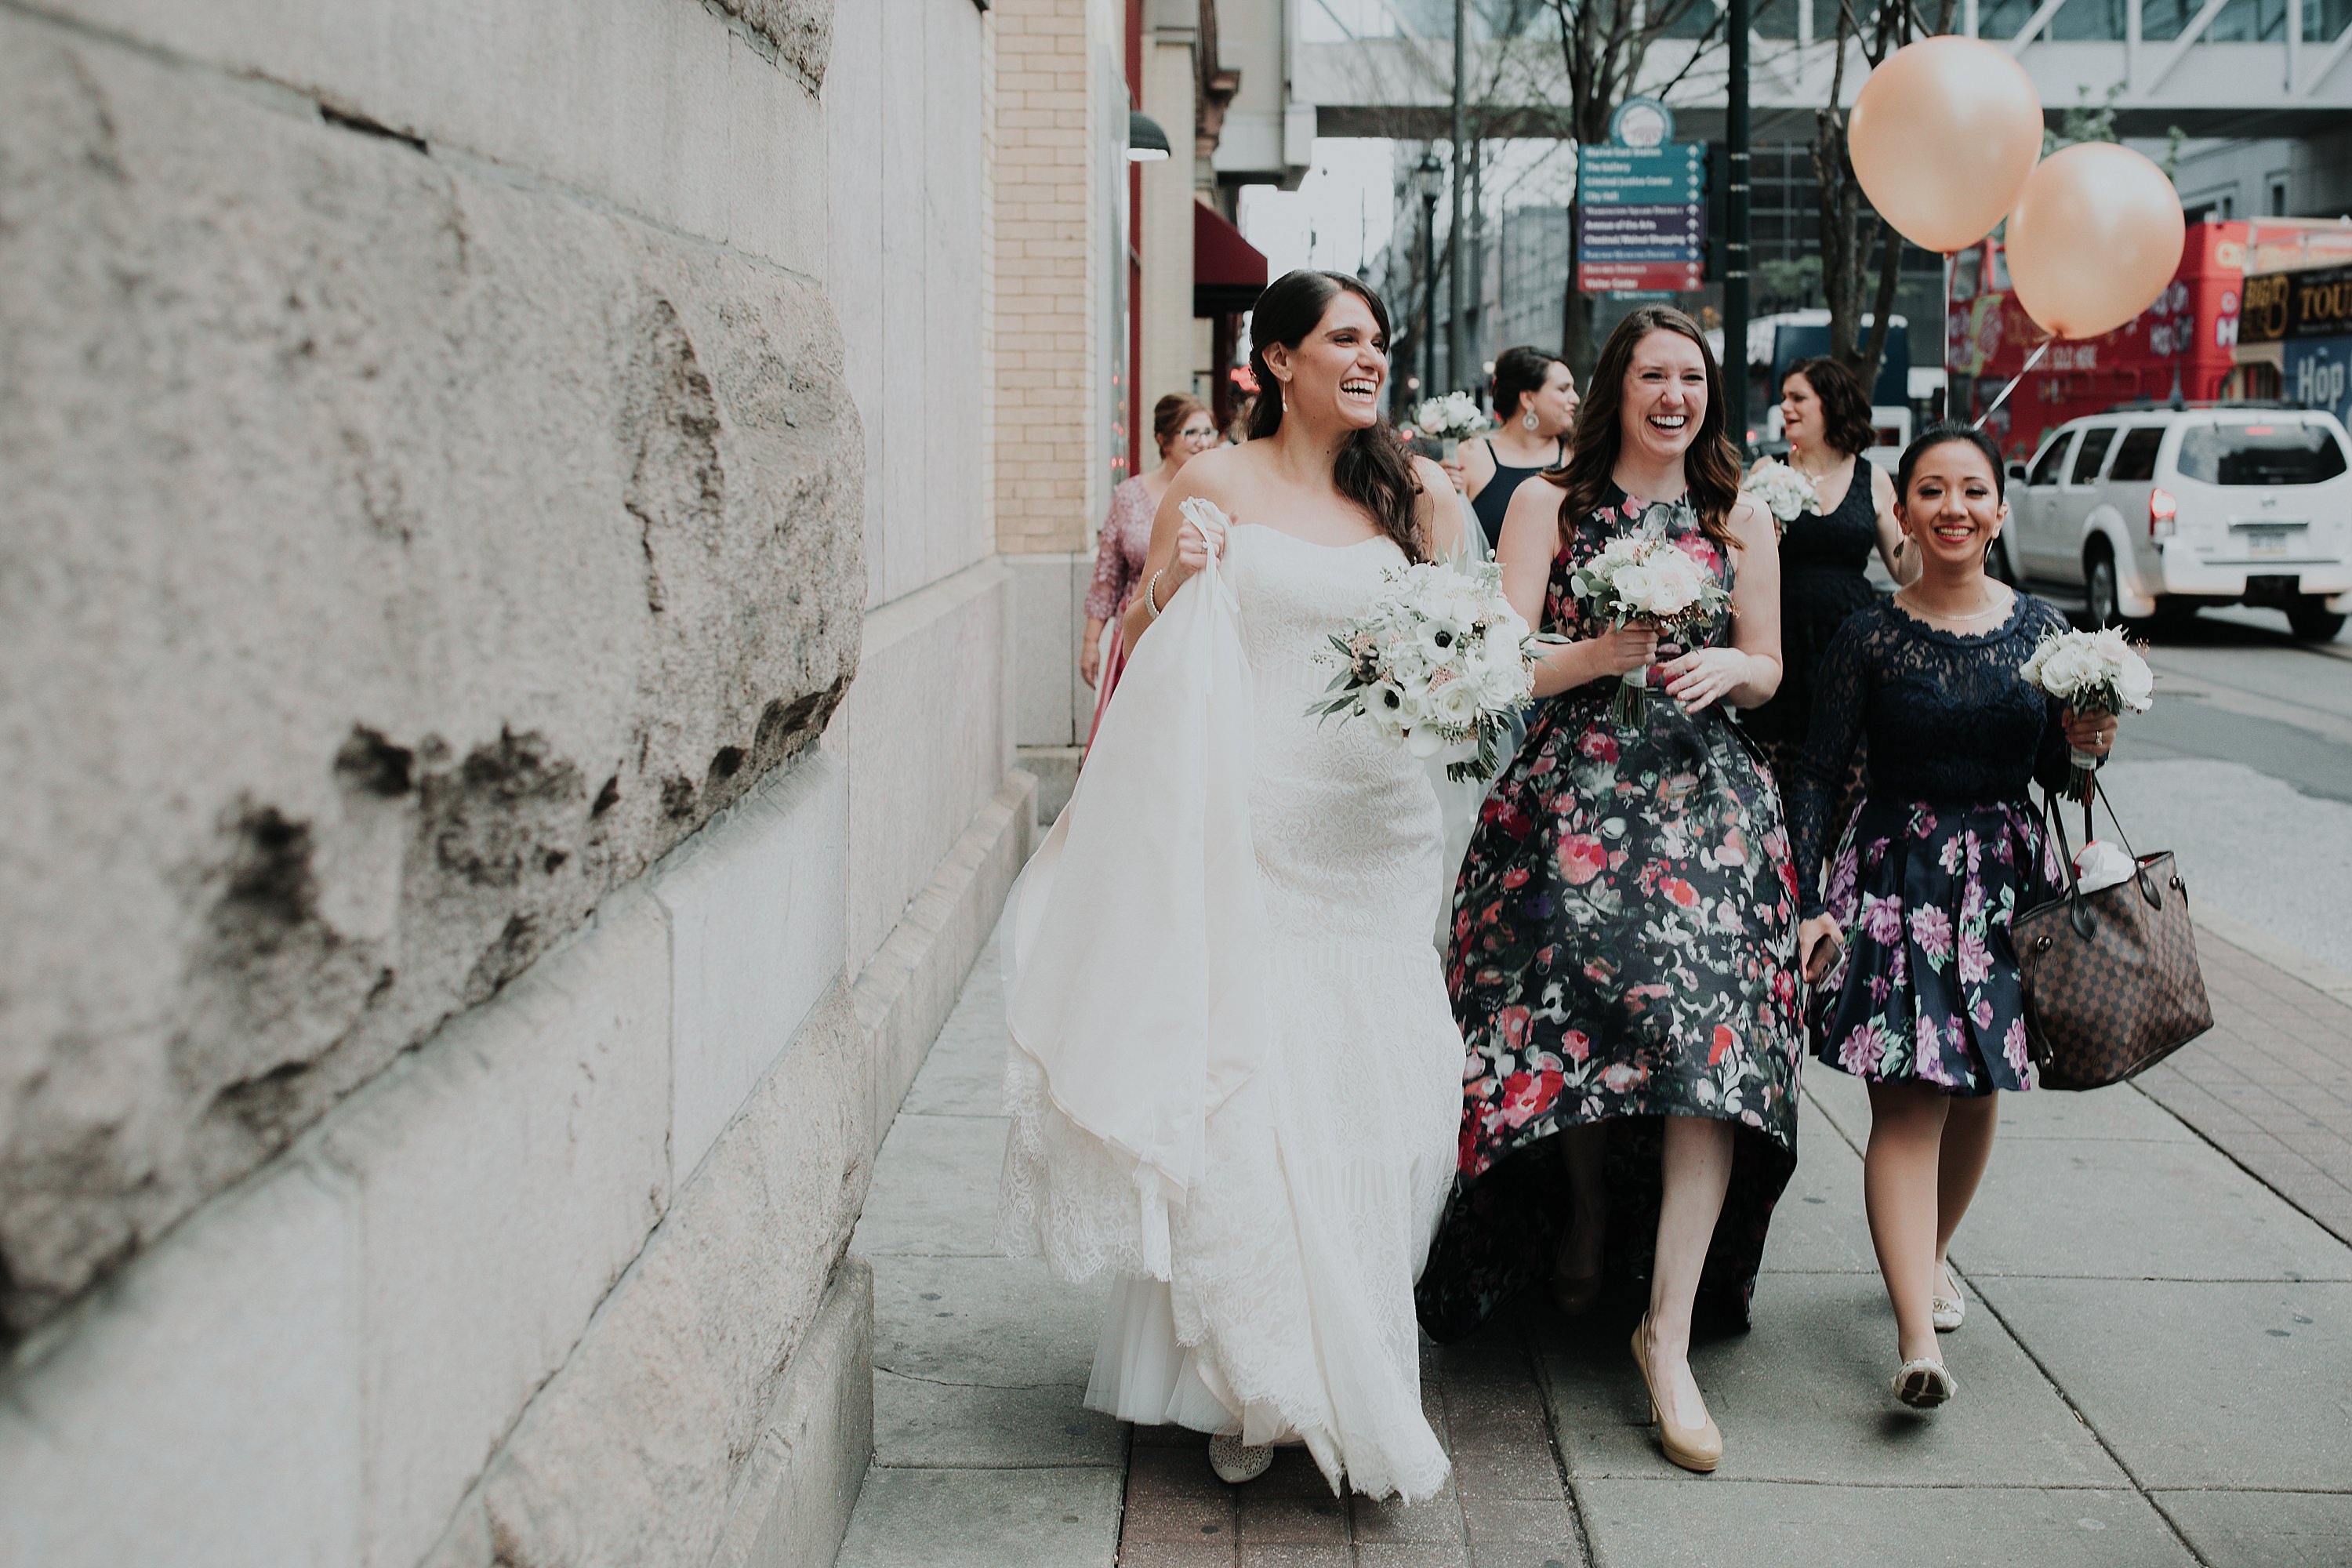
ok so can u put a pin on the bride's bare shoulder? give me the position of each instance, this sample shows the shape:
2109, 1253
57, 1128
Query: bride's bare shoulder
1222, 475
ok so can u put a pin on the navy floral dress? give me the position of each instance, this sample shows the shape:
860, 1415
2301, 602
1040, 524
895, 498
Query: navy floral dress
1944, 851
1622, 949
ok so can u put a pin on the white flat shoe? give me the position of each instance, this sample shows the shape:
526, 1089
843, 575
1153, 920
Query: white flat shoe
1236, 1462
1923, 1384
1948, 1313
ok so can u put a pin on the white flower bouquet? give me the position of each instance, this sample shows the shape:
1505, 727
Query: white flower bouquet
1652, 581
2091, 673
1449, 418
1439, 660
1784, 492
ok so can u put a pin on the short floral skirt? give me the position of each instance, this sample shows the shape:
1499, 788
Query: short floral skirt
1927, 989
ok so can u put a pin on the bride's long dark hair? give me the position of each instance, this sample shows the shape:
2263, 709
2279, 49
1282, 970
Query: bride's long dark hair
1710, 465
1371, 470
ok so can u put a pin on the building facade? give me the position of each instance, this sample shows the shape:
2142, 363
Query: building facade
508, 688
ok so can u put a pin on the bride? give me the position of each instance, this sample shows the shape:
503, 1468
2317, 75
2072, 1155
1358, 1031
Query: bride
1234, 1077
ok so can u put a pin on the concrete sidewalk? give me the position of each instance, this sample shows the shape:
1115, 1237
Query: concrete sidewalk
2156, 1367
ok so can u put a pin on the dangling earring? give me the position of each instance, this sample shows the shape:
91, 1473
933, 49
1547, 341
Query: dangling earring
1528, 419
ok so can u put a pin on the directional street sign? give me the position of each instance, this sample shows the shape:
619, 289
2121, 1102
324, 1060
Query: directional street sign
1642, 202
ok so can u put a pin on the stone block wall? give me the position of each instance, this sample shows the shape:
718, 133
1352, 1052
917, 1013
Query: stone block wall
507, 700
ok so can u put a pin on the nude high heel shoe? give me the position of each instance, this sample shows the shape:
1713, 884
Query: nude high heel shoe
1697, 1448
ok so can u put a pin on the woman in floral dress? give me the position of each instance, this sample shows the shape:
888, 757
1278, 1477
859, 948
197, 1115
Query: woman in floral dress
1624, 925
1923, 1002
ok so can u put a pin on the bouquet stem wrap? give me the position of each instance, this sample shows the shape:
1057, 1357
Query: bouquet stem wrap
1631, 708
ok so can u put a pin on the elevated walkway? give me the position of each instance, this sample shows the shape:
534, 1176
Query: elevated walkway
2213, 67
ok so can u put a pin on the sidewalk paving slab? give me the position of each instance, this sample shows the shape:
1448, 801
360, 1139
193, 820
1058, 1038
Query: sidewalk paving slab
928, 1197
2118, 1209
1001, 1322
923, 1425
2199, 1384
1680, 1523
1061, 1518
2264, 1529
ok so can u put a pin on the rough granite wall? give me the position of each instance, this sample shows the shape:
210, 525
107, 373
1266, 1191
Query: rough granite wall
399, 555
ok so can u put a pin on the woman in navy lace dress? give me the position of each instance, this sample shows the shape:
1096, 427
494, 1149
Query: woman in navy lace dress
1922, 998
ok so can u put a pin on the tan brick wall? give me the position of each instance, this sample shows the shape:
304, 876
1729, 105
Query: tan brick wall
988, 286
1046, 232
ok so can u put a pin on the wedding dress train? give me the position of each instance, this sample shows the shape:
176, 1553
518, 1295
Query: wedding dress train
1235, 1079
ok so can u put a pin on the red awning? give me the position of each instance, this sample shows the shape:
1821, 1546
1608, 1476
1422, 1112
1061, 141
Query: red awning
1228, 272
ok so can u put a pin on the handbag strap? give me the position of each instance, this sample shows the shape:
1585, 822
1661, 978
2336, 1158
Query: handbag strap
2055, 818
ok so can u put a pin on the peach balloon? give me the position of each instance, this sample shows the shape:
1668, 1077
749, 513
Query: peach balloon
2095, 238
1942, 137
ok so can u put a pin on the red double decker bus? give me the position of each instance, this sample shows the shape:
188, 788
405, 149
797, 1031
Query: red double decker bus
2183, 345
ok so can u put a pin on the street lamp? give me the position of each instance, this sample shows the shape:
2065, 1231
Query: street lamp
1146, 143
1428, 181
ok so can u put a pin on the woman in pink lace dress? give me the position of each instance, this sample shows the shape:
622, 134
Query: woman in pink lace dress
1183, 428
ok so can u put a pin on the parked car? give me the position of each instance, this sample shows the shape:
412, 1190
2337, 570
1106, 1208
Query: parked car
2155, 511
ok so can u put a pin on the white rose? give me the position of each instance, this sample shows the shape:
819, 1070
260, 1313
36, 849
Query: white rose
2136, 683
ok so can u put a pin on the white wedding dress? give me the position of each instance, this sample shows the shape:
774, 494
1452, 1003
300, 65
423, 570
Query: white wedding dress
1267, 1217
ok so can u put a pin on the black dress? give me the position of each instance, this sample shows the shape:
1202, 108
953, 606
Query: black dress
1824, 565
1494, 498
1945, 851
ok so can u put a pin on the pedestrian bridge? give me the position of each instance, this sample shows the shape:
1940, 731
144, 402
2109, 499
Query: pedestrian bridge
2213, 67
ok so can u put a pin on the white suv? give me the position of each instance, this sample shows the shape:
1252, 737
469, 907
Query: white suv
2153, 511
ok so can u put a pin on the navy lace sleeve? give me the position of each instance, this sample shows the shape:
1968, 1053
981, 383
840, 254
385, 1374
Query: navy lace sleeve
1841, 698
2049, 758
1950, 717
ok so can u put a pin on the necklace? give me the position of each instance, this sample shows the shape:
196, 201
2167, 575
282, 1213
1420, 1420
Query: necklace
1915, 607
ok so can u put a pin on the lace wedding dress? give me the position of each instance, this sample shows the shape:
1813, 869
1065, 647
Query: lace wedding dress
1269, 1213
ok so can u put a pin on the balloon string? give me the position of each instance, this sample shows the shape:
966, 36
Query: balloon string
2030, 361
1951, 259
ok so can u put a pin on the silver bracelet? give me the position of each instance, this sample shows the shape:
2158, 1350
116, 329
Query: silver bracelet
1151, 593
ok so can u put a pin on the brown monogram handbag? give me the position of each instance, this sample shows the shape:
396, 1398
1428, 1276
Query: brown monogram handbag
2111, 980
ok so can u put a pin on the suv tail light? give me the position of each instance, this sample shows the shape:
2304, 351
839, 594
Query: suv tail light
2161, 511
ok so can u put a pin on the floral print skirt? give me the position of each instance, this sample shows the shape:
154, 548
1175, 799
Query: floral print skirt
1623, 949
1927, 988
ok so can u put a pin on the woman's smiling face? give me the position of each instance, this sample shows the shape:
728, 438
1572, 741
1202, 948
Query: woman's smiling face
1336, 370
1665, 396
1953, 506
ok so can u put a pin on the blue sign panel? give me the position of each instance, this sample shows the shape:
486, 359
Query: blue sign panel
2317, 373
1674, 173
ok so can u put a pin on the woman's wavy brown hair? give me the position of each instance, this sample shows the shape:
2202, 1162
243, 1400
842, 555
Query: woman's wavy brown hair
1374, 468
1710, 466
1845, 412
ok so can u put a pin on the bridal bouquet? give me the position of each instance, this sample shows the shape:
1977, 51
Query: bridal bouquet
2091, 673
1449, 418
1784, 492
1652, 581
1439, 659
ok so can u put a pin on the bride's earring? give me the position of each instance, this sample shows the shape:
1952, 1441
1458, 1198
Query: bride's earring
1529, 420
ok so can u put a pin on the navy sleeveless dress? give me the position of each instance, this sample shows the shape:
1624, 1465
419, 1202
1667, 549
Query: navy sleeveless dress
1825, 563
1494, 497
